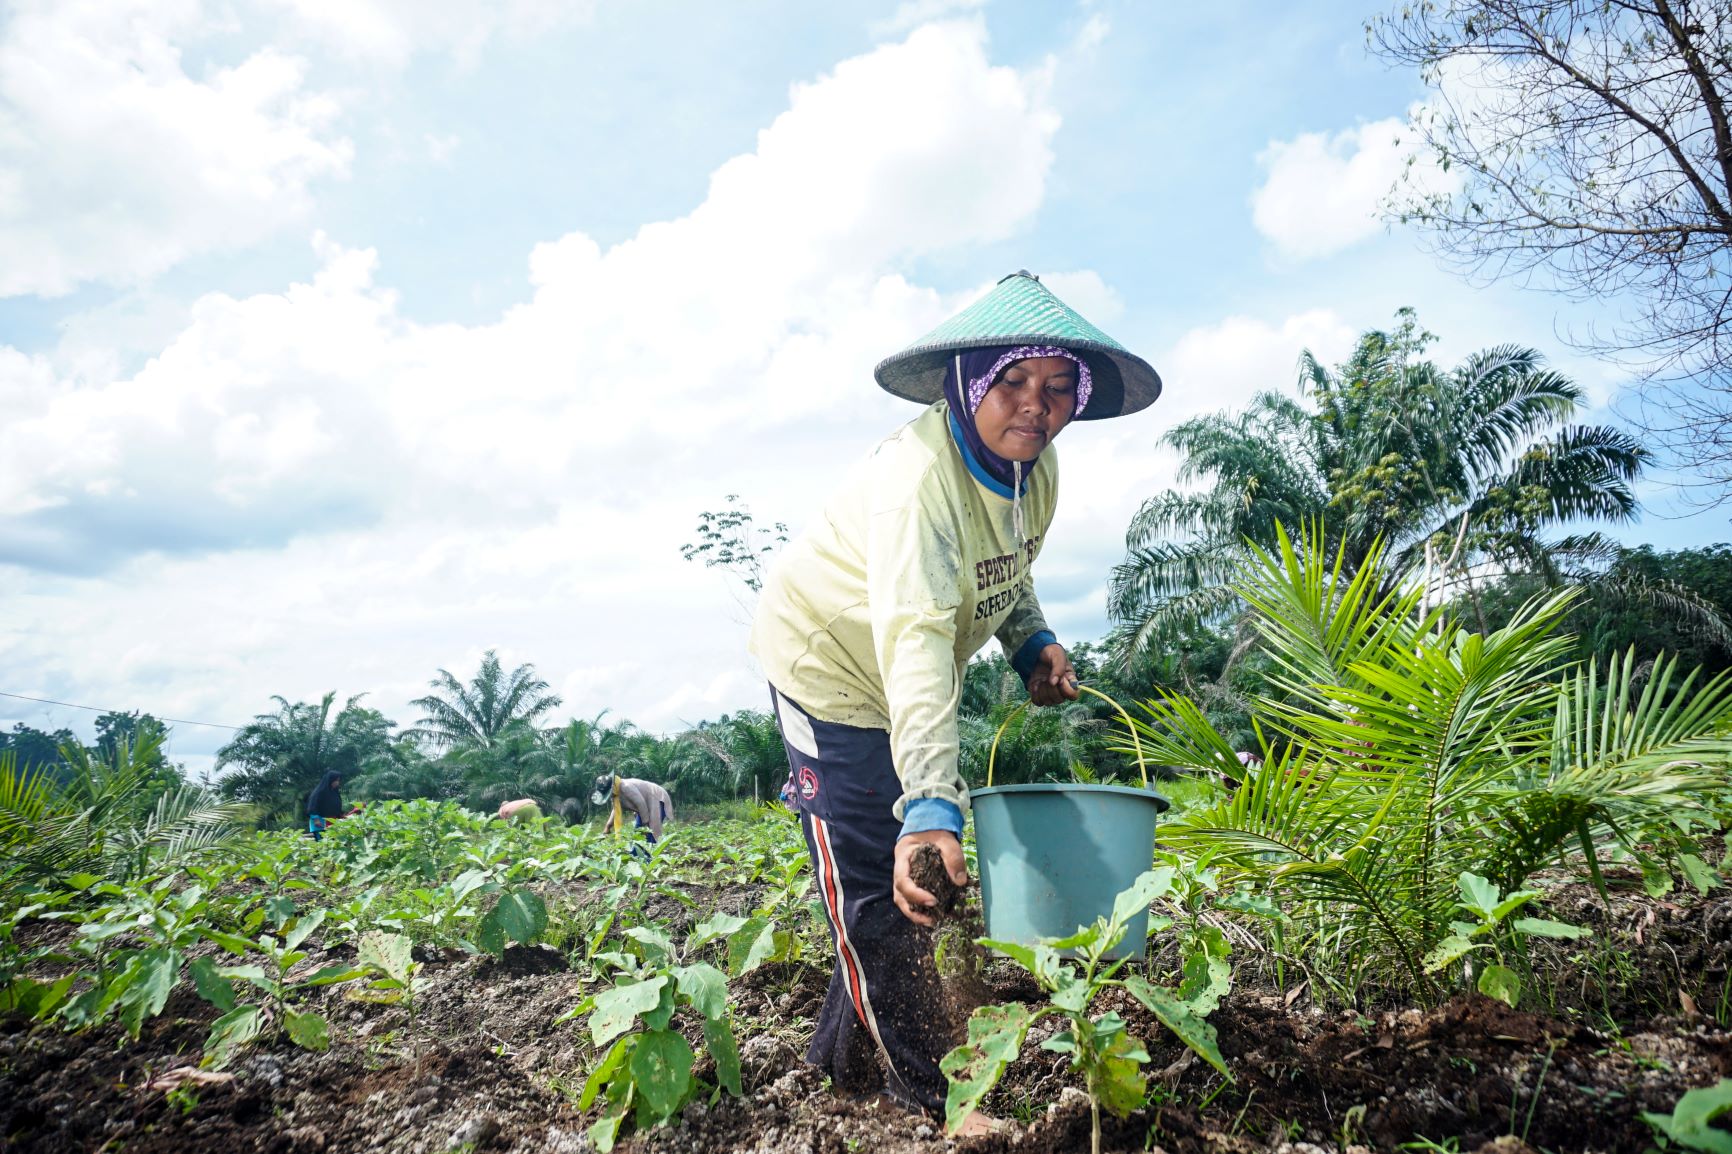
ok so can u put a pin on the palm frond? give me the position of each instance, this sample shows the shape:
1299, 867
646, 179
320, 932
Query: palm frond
1581, 472
1160, 622
1505, 399
1316, 617
1681, 606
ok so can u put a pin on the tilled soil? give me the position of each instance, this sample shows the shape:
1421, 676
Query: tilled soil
483, 1066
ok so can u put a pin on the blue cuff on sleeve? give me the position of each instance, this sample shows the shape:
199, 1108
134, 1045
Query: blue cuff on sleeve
928, 813
1026, 657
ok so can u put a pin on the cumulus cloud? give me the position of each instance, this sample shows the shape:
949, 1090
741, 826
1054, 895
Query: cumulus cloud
390, 32
1239, 357
118, 163
911, 14
1324, 192
440, 149
306, 482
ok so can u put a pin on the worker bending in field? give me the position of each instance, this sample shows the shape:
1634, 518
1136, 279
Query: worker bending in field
521, 810
648, 802
865, 628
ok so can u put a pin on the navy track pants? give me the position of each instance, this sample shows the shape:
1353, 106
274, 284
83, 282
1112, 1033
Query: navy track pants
885, 999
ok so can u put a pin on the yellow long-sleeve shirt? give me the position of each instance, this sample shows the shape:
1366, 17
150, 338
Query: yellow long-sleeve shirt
870, 616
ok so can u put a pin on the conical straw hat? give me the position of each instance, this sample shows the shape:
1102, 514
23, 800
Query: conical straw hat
1021, 311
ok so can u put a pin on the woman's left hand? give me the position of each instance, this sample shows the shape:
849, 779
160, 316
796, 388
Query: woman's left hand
1054, 678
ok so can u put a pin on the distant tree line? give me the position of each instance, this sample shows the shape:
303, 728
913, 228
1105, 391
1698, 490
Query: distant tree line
58, 752
487, 740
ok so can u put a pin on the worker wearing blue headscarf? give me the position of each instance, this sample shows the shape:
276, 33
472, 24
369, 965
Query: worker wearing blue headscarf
325, 804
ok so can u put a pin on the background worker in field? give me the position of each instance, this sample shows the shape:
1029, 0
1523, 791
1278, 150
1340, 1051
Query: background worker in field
520, 810
868, 620
646, 801
325, 804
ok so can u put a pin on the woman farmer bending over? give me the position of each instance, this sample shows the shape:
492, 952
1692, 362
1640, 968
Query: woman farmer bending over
643, 800
869, 618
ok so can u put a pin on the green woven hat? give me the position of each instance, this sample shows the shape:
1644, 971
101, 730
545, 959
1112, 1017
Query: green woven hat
1021, 311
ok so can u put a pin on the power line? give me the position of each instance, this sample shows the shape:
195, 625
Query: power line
99, 709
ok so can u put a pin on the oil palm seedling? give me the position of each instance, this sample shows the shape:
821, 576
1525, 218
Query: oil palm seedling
1401, 751
108, 814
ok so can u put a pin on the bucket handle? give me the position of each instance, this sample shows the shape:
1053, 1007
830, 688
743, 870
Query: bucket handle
1142, 765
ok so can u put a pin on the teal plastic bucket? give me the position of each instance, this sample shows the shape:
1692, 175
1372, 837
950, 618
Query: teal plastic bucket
1053, 856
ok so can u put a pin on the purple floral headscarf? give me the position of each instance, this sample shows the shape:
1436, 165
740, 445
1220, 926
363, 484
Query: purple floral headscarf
981, 368
978, 385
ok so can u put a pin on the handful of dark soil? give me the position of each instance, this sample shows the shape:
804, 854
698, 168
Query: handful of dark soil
926, 869
961, 975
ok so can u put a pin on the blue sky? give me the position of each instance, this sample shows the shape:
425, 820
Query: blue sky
342, 342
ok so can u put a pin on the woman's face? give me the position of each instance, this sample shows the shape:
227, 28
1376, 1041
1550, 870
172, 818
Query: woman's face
1024, 411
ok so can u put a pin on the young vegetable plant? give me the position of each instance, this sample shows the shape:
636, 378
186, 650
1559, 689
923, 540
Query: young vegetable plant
1208, 973
751, 942
130, 984
1493, 930
1101, 1048
519, 915
241, 1023
1691, 1122
647, 1074
389, 960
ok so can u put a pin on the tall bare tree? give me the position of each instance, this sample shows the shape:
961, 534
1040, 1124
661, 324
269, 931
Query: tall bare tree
1592, 145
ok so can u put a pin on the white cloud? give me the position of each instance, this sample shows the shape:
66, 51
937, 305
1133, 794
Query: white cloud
910, 14
119, 164
1324, 193
304, 488
440, 149
1223, 365
390, 32
1092, 34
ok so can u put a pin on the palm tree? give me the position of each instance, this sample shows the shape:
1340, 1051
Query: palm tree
554, 767
280, 756
520, 762
1629, 600
478, 713
584, 749
1036, 745
1451, 469
406, 773
736, 752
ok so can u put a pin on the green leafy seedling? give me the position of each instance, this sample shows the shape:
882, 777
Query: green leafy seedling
1690, 1124
1493, 929
751, 942
389, 959
1101, 1048
519, 914
241, 1023
645, 1073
